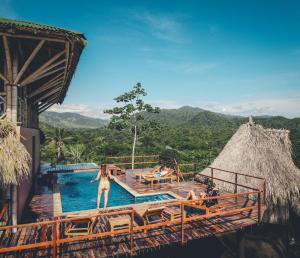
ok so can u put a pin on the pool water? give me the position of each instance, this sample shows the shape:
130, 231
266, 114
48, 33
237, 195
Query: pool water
77, 193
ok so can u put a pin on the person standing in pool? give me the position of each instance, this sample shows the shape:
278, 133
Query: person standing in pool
104, 185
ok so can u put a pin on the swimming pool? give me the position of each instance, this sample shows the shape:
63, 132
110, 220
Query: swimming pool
77, 193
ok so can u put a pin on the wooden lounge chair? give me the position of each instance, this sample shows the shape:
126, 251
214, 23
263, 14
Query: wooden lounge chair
149, 173
151, 179
80, 227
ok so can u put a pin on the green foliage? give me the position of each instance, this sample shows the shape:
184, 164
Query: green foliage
198, 140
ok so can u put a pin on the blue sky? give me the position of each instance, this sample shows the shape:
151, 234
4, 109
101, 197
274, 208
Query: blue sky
235, 57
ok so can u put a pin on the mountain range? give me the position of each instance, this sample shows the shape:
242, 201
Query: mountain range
184, 116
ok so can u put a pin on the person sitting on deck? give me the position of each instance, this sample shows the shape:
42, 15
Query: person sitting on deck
104, 185
192, 195
164, 171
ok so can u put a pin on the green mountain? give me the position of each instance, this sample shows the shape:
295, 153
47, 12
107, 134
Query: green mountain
71, 120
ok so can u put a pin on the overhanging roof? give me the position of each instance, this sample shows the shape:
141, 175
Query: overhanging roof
47, 58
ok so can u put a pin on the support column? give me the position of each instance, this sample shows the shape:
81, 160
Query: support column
14, 118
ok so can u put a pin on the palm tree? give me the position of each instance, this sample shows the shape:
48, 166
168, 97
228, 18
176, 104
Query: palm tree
59, 140
76, 151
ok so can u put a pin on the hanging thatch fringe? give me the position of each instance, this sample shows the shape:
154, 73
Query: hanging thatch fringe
14, 158
261, 152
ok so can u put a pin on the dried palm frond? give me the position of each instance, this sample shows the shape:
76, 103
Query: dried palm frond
14, 158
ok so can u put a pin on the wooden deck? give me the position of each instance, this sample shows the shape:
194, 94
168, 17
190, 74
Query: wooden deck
47, 238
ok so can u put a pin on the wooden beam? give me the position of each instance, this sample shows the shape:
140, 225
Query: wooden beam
29, 60
47, 85
8, 59
50, 100
50, 93
45, 108
3, 78
67, 48
41, 69
50, 86
50, 67
49, 73
32, 37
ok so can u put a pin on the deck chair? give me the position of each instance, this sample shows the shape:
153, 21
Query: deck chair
80, 227
153, 215
152, 179
149, 173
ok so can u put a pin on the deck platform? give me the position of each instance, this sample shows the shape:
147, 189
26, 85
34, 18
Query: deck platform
45, 238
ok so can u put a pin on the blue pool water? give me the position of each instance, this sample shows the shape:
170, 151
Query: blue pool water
77, 193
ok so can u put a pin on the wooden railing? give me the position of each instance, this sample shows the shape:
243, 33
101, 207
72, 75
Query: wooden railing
51, 232
126, 160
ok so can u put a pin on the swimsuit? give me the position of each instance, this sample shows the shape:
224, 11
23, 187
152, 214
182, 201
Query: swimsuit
104, 182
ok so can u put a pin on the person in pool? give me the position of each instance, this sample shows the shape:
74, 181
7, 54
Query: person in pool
104, 185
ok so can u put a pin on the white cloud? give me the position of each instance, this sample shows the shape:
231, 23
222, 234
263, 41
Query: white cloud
164, 27
6, 9
285, 106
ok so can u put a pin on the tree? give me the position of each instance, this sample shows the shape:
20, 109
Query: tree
60, 137
76, 151
130, 113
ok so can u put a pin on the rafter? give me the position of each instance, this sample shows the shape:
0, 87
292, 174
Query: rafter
45, 108
49, 73
29, 60
40, 70
49, 101
8, 59
50, 86
47, 85
50, 93
3, 78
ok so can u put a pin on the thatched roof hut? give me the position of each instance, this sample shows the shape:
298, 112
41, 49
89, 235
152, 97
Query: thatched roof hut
267, 153
14, 158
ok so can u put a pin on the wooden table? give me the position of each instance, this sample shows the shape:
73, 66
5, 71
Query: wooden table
119, 223
172, 213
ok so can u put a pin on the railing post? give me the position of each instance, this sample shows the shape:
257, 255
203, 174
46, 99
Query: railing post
212, 174
259, 207
131, 232
235, 186
182, 223
54, 238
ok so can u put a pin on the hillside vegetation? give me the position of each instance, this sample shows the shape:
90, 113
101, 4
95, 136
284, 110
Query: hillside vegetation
196, 134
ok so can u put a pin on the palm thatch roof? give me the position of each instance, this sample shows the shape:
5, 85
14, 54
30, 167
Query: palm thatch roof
267, 153
14, 158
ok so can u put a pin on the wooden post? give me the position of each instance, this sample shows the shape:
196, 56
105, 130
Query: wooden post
264, 189
235, 186
131, 232
54, 238
182, 223
259, 207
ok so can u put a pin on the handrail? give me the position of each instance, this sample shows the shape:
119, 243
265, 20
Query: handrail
142, 156
56, 222
241, 174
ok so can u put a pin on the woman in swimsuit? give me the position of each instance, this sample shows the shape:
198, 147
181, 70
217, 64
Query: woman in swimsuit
104, 185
